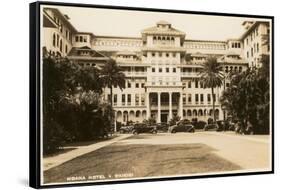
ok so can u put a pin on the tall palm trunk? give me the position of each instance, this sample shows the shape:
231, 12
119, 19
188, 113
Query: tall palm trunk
213, 100
111, 93
111, 104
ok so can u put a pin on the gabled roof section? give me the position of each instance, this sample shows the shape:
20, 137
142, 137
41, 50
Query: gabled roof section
162, 28
93, 54
232, 59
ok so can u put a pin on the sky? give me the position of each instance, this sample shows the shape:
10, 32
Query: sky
107, 22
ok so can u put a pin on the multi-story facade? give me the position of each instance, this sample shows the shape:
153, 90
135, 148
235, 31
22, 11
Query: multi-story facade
161, 66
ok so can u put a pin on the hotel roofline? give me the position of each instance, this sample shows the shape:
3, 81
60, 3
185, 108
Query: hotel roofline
66, 19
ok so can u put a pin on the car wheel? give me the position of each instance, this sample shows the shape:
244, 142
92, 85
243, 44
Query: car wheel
135, 133
173, 131
192, 130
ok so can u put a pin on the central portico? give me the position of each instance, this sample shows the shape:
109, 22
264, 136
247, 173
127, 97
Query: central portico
163, 103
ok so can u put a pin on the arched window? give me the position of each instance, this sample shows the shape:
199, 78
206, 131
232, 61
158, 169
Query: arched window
188, 112
211, 112
200, 113
54, 40
137, 113
195, 112
240, 69
205, 112
226, 69
217, 112
60, 45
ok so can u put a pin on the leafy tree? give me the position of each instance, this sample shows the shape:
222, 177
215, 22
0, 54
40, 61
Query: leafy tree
174, 120
72, 109
212, 77
150, 121
248, 97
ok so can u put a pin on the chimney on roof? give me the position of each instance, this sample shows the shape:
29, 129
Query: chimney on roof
66, 16
247, 24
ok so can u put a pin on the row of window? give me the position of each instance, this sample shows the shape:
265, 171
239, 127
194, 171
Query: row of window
252, 36
80, 38
197, 84
200, 112
162, 54
129, 85
118, 43
126, 99
57, 42
254, 49
231, 68
167, 38
68, 34
187, 98
204, 46
235, 45
160, 70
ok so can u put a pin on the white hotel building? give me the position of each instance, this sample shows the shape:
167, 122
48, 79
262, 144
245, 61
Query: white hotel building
161, 65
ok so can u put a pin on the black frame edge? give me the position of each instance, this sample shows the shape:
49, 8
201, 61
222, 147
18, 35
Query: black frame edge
34, 101
34, 97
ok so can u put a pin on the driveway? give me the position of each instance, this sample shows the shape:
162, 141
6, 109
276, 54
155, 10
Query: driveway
164, 154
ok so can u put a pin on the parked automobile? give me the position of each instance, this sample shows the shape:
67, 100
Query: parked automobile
126, 129
143, 128
199, 124
182, 127
162, 127
211, 127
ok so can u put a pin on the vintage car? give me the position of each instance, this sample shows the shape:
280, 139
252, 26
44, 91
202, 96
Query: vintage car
182, 126
211, 127
143, 128
126, 129
163, 127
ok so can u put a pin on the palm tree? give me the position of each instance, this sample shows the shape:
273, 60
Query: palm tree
211, 76
112, 75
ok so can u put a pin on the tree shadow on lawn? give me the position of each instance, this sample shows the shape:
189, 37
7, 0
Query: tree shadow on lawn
144, 136
142, 161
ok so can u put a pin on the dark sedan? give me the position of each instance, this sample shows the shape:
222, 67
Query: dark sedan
163, 127
182, 128
211, 127
143, 128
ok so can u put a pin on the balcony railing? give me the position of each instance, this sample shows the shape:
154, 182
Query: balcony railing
163, 83
135, 74
189, 74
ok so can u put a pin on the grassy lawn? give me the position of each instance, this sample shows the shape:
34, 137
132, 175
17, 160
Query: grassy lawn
74, 145
141, 161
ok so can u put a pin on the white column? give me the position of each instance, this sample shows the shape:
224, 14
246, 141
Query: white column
170, 106
147, 106
180, 106
159, 108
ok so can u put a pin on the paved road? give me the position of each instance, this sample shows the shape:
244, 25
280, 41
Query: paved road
249, 152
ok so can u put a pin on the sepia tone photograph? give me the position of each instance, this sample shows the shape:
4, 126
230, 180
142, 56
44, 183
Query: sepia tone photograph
143, 94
